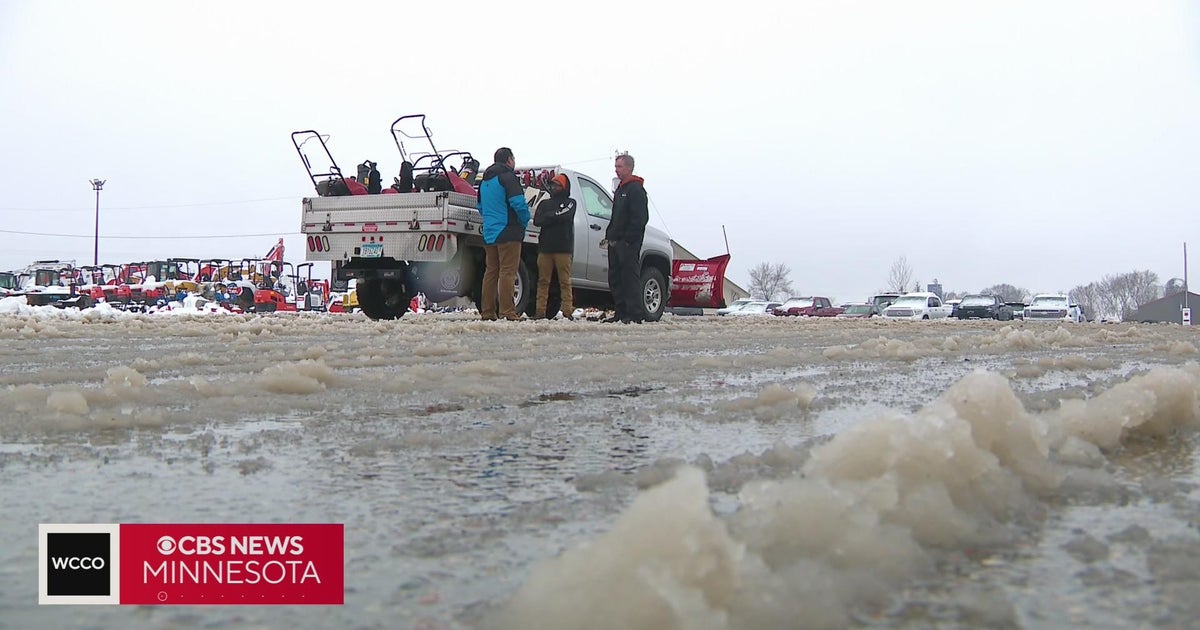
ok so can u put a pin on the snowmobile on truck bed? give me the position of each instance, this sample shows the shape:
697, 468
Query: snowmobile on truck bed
426, 235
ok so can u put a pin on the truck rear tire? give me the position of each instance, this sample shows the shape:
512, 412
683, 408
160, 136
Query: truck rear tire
383, 298
654, 293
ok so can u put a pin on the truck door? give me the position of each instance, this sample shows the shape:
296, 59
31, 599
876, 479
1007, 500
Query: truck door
597, 207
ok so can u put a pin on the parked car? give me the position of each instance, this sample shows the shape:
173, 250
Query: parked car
983, 307
883, 300
858, 311
1054, 307
918, 305
807, 307
757, 307
1018, 309
735, 305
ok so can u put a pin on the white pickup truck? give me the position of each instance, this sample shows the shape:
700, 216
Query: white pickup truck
396, 245
919, 305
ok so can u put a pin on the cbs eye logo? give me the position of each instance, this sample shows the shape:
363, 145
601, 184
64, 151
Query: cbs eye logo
191, 545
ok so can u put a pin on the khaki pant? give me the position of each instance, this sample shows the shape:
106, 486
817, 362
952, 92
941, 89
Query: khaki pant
499, 279
547, 264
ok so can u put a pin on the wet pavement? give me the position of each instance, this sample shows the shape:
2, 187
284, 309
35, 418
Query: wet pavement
466, 457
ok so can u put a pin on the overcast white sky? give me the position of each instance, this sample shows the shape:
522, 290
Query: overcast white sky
1042, 144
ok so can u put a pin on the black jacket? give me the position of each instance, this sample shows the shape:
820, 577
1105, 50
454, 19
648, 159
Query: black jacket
630, 213
556, 217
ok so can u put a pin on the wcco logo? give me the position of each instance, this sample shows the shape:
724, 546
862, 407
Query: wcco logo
77, 564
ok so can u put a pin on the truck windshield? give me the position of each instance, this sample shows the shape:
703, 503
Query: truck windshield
910, 300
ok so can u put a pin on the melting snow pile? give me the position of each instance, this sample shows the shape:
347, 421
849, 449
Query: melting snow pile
867, 511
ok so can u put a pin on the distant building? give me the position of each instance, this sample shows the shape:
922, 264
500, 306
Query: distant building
935, 288
1167, 309
732, 290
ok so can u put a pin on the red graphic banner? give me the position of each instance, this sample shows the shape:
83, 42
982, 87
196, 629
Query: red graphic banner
259, 564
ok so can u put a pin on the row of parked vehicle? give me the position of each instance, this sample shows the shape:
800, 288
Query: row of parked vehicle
257, 285
917, 305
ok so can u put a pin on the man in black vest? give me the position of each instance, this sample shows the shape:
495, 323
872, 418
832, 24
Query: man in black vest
556, 246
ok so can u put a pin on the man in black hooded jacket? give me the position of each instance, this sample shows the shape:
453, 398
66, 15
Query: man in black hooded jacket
556, 245
626, 231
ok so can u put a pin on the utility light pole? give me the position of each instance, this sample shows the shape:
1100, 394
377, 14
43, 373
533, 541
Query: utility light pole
97, 185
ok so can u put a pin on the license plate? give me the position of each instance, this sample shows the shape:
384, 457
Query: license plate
372, 250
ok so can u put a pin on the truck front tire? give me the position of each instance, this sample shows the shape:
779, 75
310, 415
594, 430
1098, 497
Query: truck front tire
654, 293
525, 290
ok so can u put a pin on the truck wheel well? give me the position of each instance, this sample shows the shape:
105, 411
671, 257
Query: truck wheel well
659, 263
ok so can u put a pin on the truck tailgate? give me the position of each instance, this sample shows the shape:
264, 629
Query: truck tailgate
351, 212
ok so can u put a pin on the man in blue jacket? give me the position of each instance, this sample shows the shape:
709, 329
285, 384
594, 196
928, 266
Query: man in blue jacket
505, 215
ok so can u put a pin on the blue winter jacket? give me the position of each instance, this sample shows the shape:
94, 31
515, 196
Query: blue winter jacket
502, 204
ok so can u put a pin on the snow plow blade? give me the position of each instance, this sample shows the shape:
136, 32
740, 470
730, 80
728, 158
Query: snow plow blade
698, 283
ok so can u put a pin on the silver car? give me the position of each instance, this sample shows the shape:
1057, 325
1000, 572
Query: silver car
735, 305
757, 307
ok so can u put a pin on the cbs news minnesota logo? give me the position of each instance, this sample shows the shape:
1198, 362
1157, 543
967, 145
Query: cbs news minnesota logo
78, 564
146, 564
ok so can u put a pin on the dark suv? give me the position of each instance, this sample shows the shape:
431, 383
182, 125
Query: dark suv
983, 307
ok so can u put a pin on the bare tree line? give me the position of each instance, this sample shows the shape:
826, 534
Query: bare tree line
1118, 295
900, 275
1113, 296
770, 281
